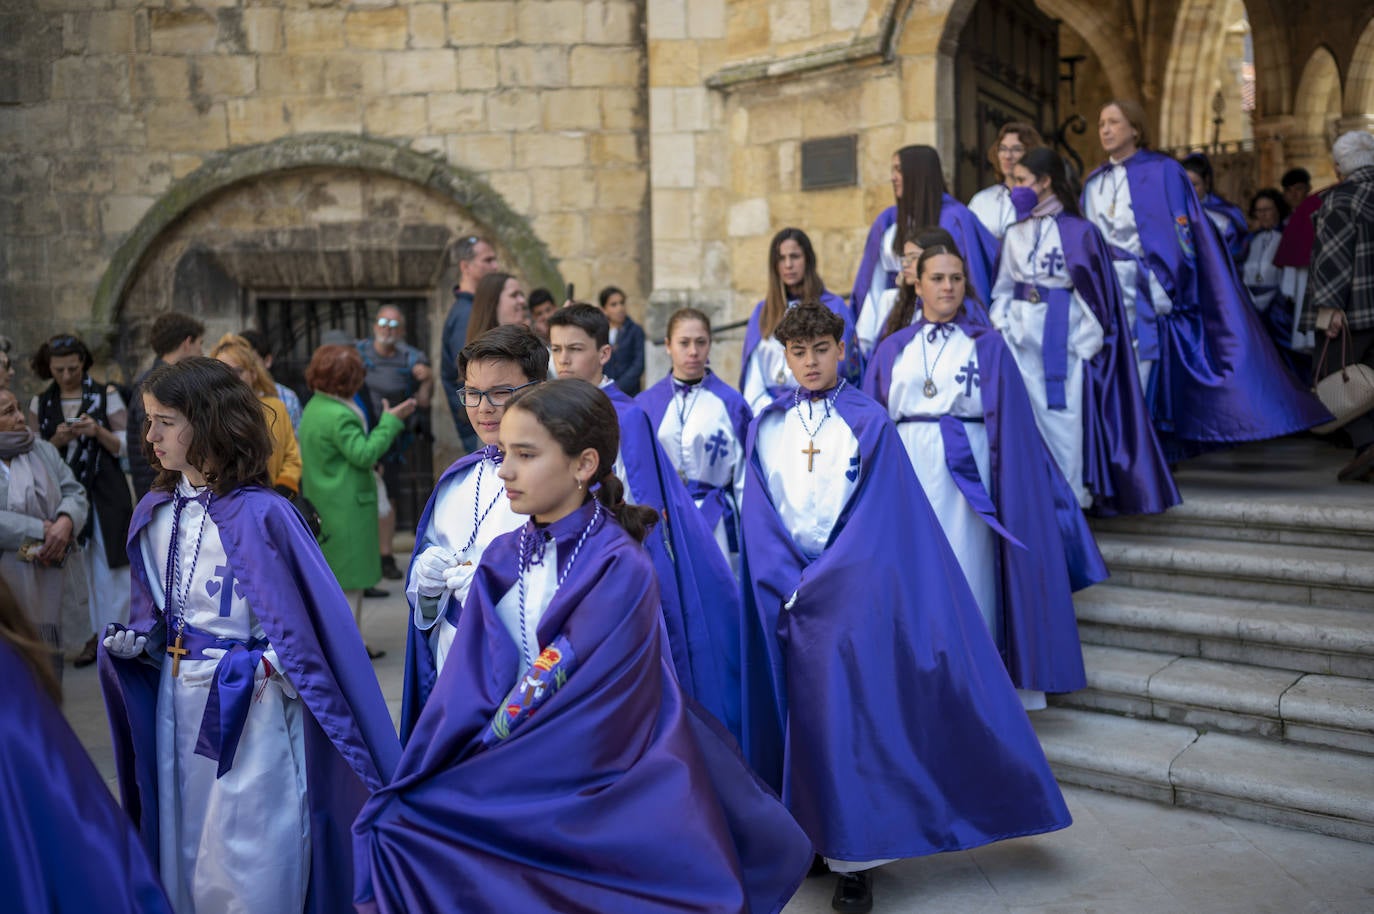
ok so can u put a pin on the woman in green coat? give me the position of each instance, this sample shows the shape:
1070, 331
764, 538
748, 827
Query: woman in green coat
337, 455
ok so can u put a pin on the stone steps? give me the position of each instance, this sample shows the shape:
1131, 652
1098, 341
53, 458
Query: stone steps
1296, 575
1309, 639
1310, 708
1319, 789
1243, 517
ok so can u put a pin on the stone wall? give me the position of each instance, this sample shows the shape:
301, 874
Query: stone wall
104, 106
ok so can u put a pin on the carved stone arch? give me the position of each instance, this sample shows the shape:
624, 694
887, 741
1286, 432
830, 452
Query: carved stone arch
1318, 99
1110, 37
1359, 85
469, 192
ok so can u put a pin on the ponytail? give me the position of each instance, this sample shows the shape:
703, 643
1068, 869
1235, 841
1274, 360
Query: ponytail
635, 519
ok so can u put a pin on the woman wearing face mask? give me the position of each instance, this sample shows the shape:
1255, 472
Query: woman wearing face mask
1212, 379
992, 205
956, 395
1058, 305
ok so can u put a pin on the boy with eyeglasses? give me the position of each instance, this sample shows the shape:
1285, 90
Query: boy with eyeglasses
468, 508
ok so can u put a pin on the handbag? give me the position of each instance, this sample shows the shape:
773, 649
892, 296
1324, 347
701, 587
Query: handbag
1347, 394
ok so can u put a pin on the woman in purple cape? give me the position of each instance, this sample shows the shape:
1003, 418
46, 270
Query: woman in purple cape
1212, 378
557, 764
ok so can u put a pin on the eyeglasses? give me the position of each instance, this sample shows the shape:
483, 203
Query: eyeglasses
1011, 150
471, 397
388, 322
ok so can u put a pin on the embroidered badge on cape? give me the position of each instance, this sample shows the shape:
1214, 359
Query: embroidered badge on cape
551, 669
1185, 236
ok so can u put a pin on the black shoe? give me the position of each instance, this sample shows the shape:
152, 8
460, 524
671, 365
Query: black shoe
389, 569
818, 867
1358, 468
853, 893
374, 593
87, 655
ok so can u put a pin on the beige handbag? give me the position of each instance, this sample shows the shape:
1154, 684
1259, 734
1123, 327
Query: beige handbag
1347, 394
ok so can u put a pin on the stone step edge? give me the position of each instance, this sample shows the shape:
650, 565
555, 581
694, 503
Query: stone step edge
1233, 510
1076, 767
1202, 615
1314, 566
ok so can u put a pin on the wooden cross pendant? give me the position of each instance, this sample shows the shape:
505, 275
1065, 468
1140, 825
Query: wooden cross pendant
177, 652
811, 451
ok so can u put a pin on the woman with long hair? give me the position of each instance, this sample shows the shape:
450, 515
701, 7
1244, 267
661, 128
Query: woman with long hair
918, 183
498, 301
284, 466
86, 420
792, 279
952, 387
1058, 305
898, 307
992, 205
1212, 379
565, 705
246, 720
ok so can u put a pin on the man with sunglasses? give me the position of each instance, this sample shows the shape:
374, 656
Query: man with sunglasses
396, 371
468, 508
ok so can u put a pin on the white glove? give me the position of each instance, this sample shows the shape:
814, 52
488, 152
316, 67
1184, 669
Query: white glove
459, 578
431, 571
124, 643
791, 601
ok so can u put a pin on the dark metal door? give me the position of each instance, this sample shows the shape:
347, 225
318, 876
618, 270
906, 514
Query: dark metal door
1006, 69
296, 327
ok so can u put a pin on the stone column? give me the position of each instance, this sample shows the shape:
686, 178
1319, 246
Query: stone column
1271, 135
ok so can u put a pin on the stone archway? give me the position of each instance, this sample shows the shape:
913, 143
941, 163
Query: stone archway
1359, 88
529, 255
1198, 57
1316, 108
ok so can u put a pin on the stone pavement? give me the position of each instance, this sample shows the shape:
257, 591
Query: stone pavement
1121, 856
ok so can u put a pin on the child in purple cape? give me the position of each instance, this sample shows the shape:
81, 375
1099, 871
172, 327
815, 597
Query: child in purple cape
557, 764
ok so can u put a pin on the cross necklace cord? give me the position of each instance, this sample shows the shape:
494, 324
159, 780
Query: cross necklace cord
684, 409
1116, 188
929, 388
175, 593
477, 500
811, 450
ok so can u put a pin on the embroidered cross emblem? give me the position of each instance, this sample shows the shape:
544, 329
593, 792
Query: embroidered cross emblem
226, 587
717, 445
1053, 262
968, 376
852, 474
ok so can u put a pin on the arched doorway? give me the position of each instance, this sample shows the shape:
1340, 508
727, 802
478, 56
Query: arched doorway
1316, 109
1359, 90
1211, 75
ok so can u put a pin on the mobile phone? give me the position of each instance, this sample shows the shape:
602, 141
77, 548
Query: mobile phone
570, 293
70, 421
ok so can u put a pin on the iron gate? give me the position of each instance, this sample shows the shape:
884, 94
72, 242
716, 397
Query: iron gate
295, 328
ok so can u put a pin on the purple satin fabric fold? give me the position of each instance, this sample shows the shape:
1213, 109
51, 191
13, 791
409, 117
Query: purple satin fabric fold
871, 260
1054, 343
226, 707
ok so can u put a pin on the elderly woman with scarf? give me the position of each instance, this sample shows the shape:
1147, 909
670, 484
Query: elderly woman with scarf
41, 508
85, 420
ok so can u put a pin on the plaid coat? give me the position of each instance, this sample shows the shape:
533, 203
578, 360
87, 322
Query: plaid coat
1342, 272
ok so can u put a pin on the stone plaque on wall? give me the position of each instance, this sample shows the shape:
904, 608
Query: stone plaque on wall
830, 162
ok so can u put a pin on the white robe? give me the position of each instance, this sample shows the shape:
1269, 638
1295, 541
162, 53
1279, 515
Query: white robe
697, 435
450, 526
888, 262
239, 844
767, 368
1107, 204
1022, 324
1259, 270
957, 394
541, 583
869, 327
992, 206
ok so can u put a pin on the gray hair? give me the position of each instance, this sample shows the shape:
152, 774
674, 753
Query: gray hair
1353, 150
465, 248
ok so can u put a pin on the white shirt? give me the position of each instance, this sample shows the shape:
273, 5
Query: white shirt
992, 206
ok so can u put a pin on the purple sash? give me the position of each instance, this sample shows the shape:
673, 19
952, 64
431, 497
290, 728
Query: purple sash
1054, 344
231, 692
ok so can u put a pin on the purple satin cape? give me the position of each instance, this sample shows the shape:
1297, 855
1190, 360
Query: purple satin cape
698, 590
64, 843
976, 244
851, 368
1123, 465
350, 745
877, 703
609, 792
1219, 380
1236, 235
420, 667
1034, 503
